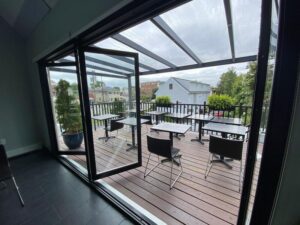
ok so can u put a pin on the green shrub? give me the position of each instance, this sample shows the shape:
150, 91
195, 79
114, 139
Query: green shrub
163, 101
67, 108
220, 102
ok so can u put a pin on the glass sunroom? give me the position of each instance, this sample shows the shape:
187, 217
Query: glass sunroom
103, 77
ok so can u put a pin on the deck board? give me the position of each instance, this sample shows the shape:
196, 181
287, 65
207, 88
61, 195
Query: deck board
193, 200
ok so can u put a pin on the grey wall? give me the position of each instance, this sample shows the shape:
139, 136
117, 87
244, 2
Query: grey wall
65, 20
22, 117
17, 121
287, 209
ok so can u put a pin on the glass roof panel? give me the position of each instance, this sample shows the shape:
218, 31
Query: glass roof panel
150, 37
110, 43
109, 62
103, 68
246, 26
202, 26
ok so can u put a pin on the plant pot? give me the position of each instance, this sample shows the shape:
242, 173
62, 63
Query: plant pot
73, 141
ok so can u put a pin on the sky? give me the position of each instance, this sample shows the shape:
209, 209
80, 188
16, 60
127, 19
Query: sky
209, 75
202, 26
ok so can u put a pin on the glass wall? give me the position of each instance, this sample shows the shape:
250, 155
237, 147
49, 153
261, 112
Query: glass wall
266, 105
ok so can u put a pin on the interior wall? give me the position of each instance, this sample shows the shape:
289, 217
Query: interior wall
17, 121
67, 19
287, 208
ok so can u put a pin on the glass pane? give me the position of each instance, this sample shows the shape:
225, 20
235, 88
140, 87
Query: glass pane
150, 37
110, 43
111, 62
67, 114
202, 26
265, 112
246, 26
111, 100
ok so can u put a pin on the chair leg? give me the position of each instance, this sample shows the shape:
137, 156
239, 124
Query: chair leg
19, 194
208, 165
147, 173
171, 175
181, 170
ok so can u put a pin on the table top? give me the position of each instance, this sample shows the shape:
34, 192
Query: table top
156, 113
172, 127
132, 121
225, 120
226, 128
201, 117
178, 115
104, 117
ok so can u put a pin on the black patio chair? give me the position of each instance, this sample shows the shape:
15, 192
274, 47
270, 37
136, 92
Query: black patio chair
163, 148
5, 172
224, 147
113, 126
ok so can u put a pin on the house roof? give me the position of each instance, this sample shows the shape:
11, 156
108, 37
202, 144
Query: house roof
192, 86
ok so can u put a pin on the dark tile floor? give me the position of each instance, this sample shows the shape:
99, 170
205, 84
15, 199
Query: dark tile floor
52, 195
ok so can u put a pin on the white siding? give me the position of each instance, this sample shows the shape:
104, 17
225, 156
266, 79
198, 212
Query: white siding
181, 94
178, 93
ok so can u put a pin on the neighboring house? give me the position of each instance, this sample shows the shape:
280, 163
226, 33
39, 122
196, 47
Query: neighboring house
147, 88
184, 91
107, 94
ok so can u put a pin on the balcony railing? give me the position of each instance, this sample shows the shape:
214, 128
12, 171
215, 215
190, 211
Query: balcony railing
119, 108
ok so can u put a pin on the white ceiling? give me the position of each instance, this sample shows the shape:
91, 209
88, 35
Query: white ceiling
24, 15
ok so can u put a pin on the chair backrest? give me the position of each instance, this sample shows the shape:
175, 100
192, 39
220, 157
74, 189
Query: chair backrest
146, 117
161, 147
226, 147
114, 125
5, 172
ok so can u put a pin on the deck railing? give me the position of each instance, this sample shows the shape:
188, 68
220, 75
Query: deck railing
238, 111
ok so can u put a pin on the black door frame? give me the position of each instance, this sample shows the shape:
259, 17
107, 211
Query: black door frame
66, 64
142, 10
88, 124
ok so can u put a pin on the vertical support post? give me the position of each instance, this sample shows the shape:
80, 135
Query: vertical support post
130, 93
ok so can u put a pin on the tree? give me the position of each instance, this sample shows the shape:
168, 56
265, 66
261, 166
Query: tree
226, 82
240, 87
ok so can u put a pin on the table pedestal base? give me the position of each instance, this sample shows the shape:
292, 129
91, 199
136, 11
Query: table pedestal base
221, 159
131, 147
106, 138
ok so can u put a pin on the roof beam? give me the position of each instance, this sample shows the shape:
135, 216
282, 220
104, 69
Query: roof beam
88, 73
91, 67
143, 50
131, 61
229, 26
88, 58
105, 69
167, 30
204, 64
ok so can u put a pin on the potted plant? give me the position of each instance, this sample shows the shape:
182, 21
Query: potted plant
220, 102
68, 114
163, 101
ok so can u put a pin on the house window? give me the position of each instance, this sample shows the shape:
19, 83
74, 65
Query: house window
170, 86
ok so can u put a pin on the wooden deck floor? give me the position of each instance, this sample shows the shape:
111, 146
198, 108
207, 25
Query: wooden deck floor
193, 200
